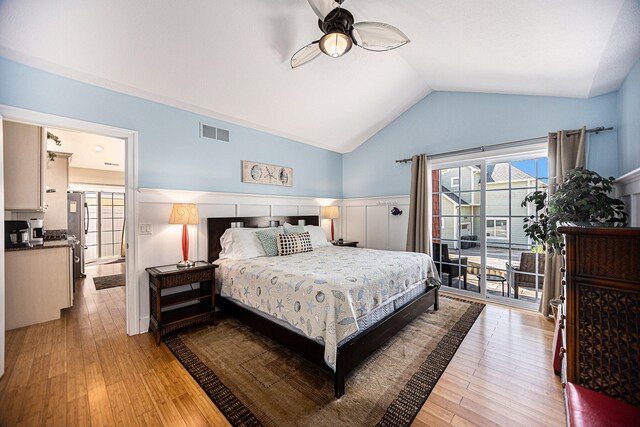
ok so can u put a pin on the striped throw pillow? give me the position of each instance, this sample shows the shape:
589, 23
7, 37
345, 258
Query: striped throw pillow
289, 244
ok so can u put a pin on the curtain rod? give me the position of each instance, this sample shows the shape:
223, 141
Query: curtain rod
504, 144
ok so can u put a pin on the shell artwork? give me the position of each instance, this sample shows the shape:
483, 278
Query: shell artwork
256, 172
263, 173
284, 176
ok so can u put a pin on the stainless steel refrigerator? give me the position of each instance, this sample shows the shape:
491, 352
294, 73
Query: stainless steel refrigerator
78, 226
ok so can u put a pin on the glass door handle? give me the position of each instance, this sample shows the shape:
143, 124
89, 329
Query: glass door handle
86, 219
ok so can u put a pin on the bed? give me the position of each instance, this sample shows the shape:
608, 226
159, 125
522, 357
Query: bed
333, 306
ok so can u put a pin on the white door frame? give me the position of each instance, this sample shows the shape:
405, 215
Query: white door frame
2, 293
131, 192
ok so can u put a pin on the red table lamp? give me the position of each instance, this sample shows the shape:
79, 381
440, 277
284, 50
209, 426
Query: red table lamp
331, 212
185, 214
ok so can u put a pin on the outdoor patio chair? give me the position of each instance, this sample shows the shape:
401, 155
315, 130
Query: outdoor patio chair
451, 270
527, 265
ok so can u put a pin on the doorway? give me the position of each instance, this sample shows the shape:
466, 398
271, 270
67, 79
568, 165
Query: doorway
479, 244
130, 139
95, 202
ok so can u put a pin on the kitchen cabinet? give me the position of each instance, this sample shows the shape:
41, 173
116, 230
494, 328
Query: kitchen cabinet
25, 152
38, 283
57, 177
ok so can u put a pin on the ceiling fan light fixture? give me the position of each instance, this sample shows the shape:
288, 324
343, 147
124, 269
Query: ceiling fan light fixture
335, 44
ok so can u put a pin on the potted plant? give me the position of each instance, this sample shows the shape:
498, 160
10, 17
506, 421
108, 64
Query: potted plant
583, 196
56, 139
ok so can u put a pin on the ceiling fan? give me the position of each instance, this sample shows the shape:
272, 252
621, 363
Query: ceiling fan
341, 33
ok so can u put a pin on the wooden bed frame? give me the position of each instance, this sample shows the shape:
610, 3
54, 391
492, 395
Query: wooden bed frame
351, 353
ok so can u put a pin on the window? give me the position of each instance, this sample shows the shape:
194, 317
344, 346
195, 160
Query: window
498, 228
455, 182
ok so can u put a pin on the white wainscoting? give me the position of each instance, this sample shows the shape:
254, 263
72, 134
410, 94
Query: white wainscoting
627, 188
370, 222
163, 246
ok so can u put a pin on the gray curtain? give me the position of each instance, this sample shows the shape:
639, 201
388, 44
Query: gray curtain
418, 237
566, 152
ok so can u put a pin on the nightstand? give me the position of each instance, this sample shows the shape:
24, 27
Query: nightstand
202, 298
346, 243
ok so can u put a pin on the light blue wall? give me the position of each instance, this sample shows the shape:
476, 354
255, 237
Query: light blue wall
445, 121
171, 154
629, 122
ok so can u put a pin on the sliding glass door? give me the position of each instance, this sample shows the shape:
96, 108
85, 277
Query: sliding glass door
456, 226
111, 223
106, 224
479, 244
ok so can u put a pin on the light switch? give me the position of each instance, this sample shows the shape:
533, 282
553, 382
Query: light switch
145, 229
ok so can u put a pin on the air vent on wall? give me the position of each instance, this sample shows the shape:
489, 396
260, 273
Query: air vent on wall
222, 135
211, 132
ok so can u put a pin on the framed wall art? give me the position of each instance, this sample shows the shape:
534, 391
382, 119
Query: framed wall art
263, 173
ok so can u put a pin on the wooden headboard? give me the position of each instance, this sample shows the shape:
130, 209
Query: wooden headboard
217, 226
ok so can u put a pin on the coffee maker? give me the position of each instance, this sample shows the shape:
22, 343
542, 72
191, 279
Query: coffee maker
16, 234
37, 231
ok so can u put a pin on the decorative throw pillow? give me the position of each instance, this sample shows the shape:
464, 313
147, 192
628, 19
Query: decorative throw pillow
293, 229
269, 240
289, 244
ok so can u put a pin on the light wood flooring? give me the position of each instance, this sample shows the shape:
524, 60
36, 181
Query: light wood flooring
84, 370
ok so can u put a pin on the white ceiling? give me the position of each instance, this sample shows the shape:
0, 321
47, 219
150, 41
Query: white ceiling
230, 59
81, 146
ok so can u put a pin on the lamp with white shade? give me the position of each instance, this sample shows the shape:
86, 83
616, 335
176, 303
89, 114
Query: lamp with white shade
185, 214
331, 212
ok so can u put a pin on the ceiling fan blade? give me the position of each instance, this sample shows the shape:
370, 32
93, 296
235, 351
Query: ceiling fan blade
306, 54
323, 7
377, 36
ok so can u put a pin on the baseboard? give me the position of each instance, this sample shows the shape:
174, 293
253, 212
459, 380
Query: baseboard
143, 325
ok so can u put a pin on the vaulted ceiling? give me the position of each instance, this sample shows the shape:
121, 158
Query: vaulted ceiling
230, 59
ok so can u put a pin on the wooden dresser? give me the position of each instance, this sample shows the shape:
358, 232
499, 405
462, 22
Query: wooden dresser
601, 310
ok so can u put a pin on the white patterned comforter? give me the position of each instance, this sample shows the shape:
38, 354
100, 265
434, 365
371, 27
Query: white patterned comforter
323, 293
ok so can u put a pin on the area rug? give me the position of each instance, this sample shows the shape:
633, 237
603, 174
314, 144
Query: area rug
106, 282
254, 381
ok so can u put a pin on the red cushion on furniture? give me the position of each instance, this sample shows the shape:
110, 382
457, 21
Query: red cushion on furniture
590, 408
557, 345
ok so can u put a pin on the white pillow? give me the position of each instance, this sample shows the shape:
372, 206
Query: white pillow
241, 243
318, 236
